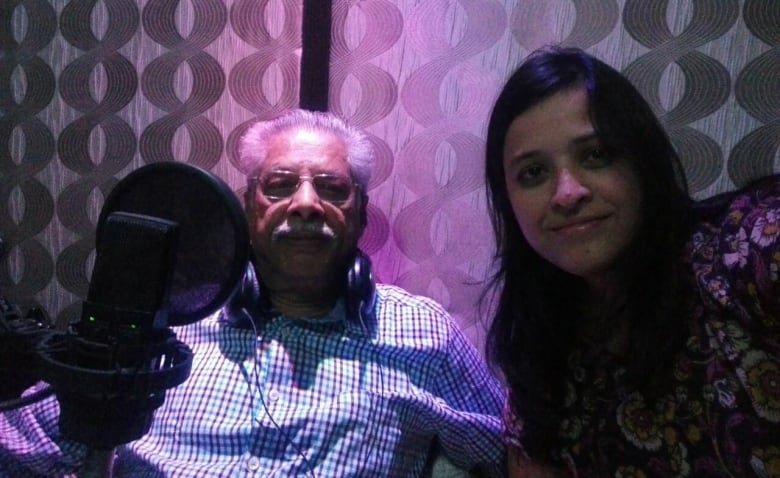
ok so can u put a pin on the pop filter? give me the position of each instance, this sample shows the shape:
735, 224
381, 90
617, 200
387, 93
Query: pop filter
213, 243
172, 246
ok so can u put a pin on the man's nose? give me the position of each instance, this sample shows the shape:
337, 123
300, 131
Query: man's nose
305, 201
570, 190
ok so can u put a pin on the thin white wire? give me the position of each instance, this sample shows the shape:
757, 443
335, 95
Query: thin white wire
256, 374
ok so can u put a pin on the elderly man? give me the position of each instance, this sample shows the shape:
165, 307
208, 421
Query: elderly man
312, 369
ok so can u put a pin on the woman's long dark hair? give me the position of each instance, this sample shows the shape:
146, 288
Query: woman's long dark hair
539, 306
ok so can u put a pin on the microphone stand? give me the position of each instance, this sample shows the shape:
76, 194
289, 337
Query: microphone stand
108, 391
98, 463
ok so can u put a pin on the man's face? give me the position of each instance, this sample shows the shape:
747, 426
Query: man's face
303, 232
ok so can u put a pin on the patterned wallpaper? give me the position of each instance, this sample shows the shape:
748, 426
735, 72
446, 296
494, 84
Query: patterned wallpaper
92, 89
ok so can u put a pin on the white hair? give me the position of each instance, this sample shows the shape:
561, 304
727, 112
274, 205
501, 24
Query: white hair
253, 145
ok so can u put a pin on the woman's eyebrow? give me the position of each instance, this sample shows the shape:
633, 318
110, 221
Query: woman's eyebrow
585, 138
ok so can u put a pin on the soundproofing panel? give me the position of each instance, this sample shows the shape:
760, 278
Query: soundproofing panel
91, 90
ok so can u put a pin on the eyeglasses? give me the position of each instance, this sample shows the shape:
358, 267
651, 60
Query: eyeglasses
280, 185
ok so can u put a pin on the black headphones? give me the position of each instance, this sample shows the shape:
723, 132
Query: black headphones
248, 303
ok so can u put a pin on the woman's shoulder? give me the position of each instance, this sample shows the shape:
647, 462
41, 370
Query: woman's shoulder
735, 248
757, 196
746, 217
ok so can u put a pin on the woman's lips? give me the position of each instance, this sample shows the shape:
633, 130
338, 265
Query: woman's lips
578, 226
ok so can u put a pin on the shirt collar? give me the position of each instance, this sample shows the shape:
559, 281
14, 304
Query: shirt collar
337, 319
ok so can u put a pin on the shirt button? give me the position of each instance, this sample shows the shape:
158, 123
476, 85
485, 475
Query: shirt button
253, 463
273, 395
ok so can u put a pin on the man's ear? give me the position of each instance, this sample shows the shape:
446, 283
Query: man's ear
363, 210
249, 203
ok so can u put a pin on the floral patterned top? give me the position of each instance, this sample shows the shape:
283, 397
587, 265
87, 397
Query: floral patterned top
720, 415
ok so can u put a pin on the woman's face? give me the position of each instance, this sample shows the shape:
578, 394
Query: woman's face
577, 205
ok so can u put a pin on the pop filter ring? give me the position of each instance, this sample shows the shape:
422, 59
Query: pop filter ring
211, 221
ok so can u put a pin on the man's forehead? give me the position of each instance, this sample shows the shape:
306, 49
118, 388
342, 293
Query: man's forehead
303, 137
309, 136
307, 146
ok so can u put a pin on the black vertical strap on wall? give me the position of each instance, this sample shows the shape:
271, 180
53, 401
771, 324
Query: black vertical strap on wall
315, 55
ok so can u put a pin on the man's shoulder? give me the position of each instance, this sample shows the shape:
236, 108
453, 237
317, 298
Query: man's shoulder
405, 316
391, 295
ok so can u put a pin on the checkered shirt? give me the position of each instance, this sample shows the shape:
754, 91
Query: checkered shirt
322, 397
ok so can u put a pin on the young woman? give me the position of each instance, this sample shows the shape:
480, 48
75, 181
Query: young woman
638, 331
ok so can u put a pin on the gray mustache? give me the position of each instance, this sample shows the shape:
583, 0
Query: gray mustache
286, 229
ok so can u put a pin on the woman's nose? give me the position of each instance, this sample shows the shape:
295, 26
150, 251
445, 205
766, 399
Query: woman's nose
570, 190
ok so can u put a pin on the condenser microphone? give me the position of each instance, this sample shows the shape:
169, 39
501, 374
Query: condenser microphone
172, 245
129, 290
111, 371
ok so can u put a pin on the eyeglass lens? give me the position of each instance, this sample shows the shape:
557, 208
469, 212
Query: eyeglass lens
280, 185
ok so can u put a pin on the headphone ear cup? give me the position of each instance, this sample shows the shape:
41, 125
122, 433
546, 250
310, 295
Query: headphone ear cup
361, 290
360, 298
245, 301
